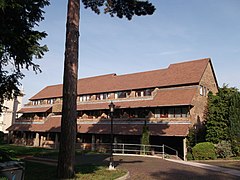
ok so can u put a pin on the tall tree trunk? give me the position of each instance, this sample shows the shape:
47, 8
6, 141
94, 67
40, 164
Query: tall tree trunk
66, 159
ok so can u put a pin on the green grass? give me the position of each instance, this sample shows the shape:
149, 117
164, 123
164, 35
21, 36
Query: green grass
37, 171
16, 151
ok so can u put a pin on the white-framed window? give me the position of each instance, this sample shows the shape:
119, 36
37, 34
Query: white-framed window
201, 90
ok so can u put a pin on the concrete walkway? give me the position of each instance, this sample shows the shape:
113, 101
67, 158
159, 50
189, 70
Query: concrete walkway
208, 166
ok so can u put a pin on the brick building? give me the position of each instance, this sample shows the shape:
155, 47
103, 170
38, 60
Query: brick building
169, 101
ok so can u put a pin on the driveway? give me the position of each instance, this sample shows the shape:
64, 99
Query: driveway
147, 168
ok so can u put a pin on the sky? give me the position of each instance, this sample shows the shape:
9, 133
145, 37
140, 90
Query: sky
179, 30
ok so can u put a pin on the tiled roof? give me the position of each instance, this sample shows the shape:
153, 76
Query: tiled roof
53, 125
34, 109
166, 97
176, 74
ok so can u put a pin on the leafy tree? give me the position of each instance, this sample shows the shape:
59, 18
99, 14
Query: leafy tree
234, 122
224, 149
119, 8
217, 117
19, 42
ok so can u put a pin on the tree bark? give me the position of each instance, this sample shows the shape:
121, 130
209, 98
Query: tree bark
66, 159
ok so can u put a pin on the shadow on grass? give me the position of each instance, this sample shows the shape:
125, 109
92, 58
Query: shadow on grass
87, 168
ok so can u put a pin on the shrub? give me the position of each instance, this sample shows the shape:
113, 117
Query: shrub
223, 149
204, 151
189, 156
145, 140
1, 137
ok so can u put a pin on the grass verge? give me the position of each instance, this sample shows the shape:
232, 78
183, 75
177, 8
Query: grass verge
37, 171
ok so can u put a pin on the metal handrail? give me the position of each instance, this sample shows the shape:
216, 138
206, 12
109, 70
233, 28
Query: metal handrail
124, 148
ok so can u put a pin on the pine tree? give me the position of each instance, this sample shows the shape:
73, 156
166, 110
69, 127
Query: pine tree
19, 42
119, 8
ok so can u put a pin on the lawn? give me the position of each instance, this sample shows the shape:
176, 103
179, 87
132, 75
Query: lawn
19, 151
35, 171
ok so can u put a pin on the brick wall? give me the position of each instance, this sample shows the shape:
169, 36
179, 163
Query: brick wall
200, 101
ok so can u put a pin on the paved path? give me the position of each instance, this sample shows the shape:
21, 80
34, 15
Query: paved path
210, 167
149, 168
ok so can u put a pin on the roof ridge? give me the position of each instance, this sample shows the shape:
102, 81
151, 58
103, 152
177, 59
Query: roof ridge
191, 61
98, 76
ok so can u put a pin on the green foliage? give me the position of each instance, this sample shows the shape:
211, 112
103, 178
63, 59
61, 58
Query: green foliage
217, 116
234, 122
223, 149
19, 42
44, 171
223, 118
191, 138
145, 139
1, 137
189, 156
204, 151
15, 151
196, 135
121, 8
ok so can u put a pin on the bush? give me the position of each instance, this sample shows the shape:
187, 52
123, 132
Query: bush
223, 149
236, 150
189, 156
204, 151
1, 137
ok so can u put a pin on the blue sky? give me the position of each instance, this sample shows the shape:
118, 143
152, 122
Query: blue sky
179, 30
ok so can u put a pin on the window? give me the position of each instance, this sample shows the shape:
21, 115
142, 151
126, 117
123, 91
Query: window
177, 112
121, 94
80, 98
37, 102
201, 90
164, 113
51, 101
171, 112
88, 97
139, 93
148, 92
85, 98
157, 113
98, 97
106, 95
184, 112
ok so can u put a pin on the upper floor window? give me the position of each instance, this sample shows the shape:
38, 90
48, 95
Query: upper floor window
84, 98
51, 101
203, 91
121, 94
102, 96
144, 92
37, 102
171, 112
148, 92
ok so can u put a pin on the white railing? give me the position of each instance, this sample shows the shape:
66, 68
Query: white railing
136, 149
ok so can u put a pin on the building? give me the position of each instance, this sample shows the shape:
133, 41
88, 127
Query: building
169, 101
8, 116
